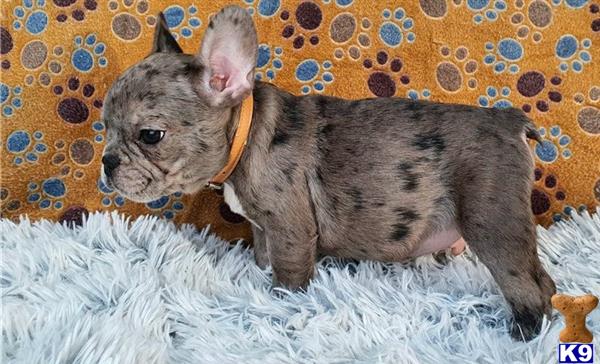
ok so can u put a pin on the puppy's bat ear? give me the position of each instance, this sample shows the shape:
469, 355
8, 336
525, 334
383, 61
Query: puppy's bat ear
228, 53
163, 39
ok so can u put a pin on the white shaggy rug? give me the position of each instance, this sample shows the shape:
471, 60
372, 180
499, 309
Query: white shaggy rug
118, 291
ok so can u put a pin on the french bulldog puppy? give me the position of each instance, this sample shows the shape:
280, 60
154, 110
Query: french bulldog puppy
384, 179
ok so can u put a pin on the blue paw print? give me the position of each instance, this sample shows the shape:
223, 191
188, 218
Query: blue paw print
486, 9
396, 27
110, 196
88, 52
415, 95
25, 147
495, 98
98, 128
267, 63
309, 71
573, 4
47, 194
264, 8
572, 53
504, 55
182, 22
32, 16
553, 145
173, 202
10, 99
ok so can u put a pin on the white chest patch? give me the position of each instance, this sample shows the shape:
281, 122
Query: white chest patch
232, 200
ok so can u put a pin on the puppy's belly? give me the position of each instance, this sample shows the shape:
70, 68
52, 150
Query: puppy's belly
440, 241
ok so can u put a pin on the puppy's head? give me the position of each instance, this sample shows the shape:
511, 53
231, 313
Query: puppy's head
166, 117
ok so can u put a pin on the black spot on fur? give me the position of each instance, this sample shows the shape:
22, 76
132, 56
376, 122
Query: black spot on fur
151, 73
378, 204
145, 66
430, 140
410, 178
236, 21
211, 24
407, 215
513, 273
399, 232
292, 114
280, 137
357, 198
289, 171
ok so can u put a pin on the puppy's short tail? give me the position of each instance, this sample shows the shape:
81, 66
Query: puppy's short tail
531, 132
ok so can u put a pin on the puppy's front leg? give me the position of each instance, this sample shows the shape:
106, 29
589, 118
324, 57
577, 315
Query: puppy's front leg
291, 237
292, 257
259, 242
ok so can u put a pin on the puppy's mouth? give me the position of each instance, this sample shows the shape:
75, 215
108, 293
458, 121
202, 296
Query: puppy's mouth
140, 192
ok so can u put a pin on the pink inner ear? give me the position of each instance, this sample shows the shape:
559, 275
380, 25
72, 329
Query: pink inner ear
218, 82
226, 76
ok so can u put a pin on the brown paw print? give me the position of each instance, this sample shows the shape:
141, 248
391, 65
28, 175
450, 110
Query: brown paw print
8, 204
43, 64
75, 8
126, 24
537, 15
308, 16
343, 31
79, 153
588, 117
74, 109
380, 81
531, 84
546, 193
449, 75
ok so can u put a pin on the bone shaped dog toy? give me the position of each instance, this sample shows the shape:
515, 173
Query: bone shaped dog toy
575, 310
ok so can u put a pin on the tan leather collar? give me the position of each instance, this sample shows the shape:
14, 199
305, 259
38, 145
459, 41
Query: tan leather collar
240, 138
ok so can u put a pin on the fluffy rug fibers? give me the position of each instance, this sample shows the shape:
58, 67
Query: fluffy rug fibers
144, 291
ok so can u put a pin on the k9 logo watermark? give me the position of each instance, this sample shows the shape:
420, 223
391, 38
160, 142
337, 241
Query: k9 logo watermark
571, 353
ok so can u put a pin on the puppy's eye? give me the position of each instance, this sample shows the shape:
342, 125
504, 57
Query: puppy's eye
149, 136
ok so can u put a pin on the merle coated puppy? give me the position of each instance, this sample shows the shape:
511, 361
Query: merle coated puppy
384, 179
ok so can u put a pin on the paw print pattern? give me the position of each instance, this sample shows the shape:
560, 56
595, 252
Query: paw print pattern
36, 58
415, 95
531, 84
264, 8
110, 196
32, 16
504, 56
381, 82
588, 117
79, 153
25, 147
572, 54
47, 194
172, 204
98, 128
539, 15
554, 145
126, 25
88, 53
268, 62
74, 8
547, 194
314, 76
495, 98
397, 28
486, 9
180, 21
10, 99
343, 32
308, 16
74, 109
7, 203
449, 76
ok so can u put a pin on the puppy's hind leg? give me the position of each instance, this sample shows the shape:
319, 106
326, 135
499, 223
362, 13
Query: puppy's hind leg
501, 231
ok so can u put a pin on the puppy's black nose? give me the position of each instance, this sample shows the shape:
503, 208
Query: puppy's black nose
110, 162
